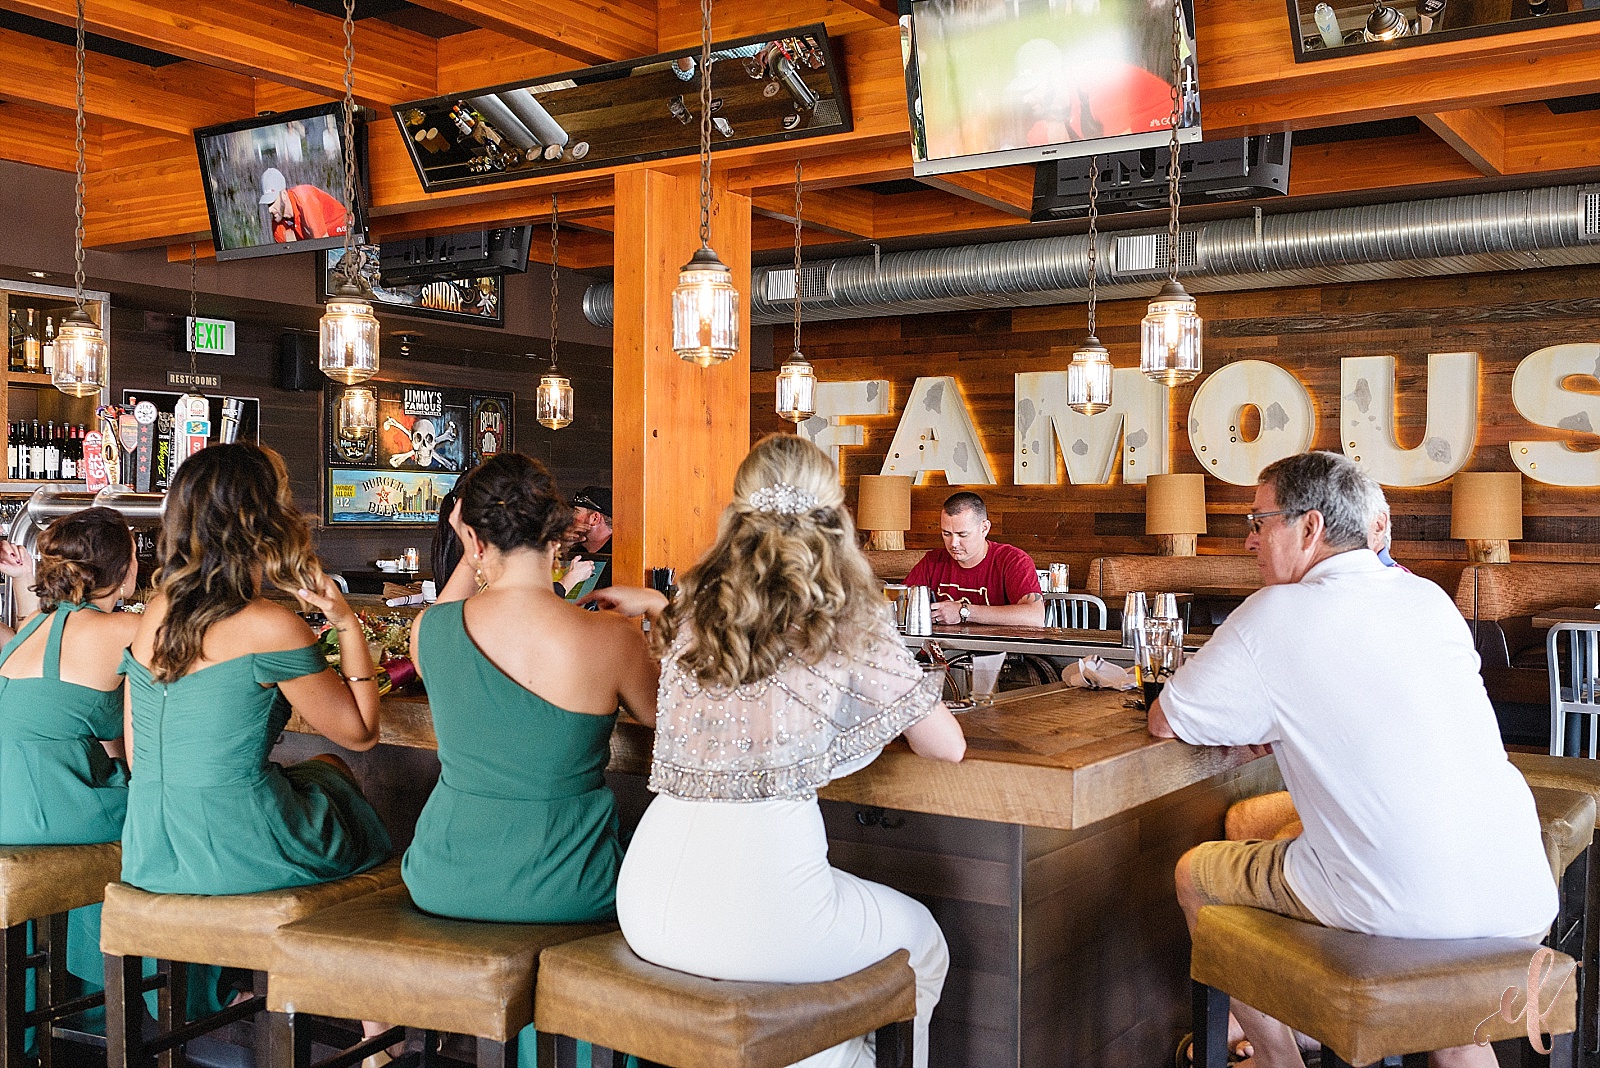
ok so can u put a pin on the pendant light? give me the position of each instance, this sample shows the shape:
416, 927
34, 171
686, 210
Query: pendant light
348, 349
1170, 334
797, 382
80, 345
705, 304
1089, 376
553, 401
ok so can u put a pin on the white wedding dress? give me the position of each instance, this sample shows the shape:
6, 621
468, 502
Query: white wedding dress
728, 876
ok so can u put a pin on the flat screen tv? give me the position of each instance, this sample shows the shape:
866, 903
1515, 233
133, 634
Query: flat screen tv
992, 83
275, 184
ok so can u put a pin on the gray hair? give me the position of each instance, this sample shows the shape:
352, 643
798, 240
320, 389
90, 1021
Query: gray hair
1330, 484
1377, 505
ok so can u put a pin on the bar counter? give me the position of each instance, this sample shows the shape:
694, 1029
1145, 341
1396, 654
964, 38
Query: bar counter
1046, 857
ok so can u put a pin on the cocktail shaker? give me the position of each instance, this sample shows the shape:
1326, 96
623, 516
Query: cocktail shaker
919, 615
1166, 606
1134, 611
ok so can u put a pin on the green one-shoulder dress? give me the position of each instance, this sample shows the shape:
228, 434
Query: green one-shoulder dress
208, 813
57, 784
521, 827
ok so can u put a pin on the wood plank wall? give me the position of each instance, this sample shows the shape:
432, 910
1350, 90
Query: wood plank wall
1503, 317
145, 346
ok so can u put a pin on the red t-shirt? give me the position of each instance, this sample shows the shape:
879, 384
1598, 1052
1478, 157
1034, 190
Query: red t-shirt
313, 214
1004, 576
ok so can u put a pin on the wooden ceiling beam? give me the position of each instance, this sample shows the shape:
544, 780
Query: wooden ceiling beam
45, 138
933, 212
678, 21
173, 99
854, 165
273, 39
844, 212
587, 33
885, 11
1479, 134
478, 58
1007, 189
1372, 164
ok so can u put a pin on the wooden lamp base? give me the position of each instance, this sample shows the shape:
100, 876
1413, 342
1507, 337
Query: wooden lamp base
1175, 544
1486, 551
886, 540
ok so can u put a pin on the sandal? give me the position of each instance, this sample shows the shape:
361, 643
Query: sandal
1183, 1056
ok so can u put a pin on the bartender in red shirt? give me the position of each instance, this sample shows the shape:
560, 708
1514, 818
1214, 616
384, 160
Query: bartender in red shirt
975, 580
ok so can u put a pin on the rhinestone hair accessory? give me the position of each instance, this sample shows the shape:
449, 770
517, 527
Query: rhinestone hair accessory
783, 499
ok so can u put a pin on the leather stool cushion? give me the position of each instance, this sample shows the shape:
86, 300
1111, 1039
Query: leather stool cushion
599, 991
38, 881
1566, 823
233, 930
380, 958
1369, 997
1563, 772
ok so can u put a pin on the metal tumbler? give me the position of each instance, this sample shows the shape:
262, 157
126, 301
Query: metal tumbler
1134, 611
919, 616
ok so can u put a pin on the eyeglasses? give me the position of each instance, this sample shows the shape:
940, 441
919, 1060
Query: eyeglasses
1253, 519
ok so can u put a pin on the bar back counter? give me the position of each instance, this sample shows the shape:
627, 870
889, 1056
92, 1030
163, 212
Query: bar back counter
1046, 857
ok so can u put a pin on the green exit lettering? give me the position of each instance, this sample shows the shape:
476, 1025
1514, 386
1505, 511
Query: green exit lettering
211, 335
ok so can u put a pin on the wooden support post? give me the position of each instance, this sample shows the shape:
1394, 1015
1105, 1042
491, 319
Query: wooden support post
679, 431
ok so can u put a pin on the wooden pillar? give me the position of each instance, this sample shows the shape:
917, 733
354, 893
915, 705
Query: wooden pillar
679, 431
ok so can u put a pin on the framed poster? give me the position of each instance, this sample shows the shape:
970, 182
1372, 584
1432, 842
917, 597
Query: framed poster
426, 437
471, 300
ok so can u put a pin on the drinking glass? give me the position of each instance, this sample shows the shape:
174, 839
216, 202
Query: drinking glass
1134, 611
1159, 654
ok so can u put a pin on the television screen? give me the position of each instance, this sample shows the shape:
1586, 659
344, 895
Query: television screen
276, 184
997, 82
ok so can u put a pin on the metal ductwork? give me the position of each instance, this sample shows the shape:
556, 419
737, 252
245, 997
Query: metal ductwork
1513, 230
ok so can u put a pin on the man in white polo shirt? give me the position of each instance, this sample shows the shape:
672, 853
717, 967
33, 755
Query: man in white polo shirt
1363, 680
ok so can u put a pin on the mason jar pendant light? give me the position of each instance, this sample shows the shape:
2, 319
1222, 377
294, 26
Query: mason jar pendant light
1170, 333
553, 400
797, 382
348, 349
705, 304
80, 345
1089, 375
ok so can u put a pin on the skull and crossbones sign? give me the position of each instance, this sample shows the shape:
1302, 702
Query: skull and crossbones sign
425, 441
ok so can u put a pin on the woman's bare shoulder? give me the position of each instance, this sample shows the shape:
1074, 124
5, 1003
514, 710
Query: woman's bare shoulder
269, 627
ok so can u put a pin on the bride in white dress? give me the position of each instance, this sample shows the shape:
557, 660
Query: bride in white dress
780, 673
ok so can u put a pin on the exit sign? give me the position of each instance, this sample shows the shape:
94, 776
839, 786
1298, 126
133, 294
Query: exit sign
211, 335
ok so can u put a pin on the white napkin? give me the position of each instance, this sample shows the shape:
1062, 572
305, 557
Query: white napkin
1094, 673
986, 673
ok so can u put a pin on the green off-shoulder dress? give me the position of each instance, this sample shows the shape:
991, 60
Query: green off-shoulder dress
57, 784
521, 827
208, 813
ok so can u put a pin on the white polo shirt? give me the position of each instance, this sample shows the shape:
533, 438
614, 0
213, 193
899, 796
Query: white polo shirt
1365, 681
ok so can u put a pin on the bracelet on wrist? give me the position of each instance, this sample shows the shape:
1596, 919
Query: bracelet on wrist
360, 678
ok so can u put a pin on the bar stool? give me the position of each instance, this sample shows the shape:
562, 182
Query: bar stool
596, 990
39, 885
229, 930
379, 957
1368, 1000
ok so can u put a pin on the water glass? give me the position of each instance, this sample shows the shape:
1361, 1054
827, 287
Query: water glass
1058, 578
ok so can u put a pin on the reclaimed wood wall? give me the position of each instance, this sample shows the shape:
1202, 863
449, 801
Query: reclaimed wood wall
1502, 317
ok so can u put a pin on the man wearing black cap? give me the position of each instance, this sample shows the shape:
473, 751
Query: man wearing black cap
590, 533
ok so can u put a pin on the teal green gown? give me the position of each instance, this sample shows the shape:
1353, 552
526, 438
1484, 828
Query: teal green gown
521, 827
208, 813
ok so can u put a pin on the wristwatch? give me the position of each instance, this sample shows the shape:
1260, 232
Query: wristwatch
966, 611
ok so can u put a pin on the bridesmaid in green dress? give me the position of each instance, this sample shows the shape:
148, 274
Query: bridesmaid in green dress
211, 674
524, 689
62, 781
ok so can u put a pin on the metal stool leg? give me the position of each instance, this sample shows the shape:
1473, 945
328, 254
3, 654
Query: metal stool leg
1210, 1026
50, 984
124, 1013
498, 1054
14, 997
289, 1043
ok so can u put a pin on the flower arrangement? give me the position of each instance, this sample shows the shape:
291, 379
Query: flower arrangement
388, 637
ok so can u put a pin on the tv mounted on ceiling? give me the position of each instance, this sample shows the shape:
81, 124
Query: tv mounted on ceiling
275, 184
992, 83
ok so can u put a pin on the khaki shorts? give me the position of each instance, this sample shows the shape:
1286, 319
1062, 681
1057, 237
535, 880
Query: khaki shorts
1247, 873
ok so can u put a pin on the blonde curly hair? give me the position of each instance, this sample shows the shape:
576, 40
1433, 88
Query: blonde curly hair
777, 582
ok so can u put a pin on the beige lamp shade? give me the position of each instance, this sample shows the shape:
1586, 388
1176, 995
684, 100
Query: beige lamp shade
1486, 506
1175, 504
884, 503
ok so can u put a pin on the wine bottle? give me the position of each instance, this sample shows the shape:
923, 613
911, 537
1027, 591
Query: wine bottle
11, 452
21, 438
14, 343
68, 472
52, 451
36, 451
49, 350
32, 356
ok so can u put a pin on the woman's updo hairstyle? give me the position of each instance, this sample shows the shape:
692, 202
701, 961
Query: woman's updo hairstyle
785, 577
512, 502
82, 556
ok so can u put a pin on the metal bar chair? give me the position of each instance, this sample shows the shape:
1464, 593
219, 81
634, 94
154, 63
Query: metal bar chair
1074, 610
1574, 688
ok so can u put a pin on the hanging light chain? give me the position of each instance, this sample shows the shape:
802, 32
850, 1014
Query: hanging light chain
194, 305
705, 123
555, 274
798, 294
1172, 142
77, 242
350, 266
1094, 242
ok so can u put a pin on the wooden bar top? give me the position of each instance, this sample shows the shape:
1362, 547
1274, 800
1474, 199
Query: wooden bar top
1049, 756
